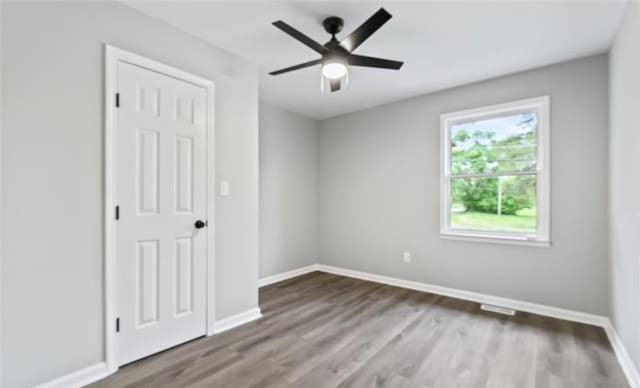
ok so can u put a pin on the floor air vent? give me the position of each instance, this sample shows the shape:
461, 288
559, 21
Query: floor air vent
498, 309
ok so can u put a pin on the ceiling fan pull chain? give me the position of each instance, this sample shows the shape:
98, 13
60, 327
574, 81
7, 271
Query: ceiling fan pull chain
321, 83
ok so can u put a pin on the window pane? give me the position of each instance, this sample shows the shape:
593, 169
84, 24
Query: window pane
505, 204
497, 145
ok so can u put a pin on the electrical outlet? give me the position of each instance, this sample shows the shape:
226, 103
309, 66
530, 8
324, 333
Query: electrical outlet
224, 189
406, 257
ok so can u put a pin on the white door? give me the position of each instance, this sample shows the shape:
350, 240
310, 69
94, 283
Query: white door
161, 194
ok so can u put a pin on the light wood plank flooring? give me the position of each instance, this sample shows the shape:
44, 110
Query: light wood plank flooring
322, 330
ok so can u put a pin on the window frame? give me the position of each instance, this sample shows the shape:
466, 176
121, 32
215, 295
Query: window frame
537, 105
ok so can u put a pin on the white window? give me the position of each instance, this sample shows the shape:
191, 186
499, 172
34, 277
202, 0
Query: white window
495, 173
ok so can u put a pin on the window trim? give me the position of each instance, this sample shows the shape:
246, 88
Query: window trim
539, 105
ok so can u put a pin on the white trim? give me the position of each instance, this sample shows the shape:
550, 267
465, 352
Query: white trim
265, 281
99, 371
79, 378
211, 203
110, 244
112, 56
626, 363
1, 204
236, 320
540, 105
548, 311
624, 359
505, 240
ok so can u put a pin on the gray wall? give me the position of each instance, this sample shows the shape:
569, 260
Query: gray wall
52, 278
624, 182
288, 191
380, 192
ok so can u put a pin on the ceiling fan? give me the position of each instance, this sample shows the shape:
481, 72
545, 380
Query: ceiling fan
337, 55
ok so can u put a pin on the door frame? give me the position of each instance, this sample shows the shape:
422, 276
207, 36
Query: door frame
113, 55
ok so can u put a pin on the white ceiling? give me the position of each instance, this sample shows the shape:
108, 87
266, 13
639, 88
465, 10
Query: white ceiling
443, 44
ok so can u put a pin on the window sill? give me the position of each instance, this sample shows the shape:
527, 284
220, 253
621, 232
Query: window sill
493, 239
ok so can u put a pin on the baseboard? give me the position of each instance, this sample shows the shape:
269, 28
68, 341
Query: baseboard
237, 320
79, 378
554, 312
286, 275
624, 359
98, 371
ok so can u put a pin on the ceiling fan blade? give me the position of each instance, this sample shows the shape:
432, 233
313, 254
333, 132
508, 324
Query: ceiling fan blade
296, 67
362, 60
312, 44
365, 30
335, 85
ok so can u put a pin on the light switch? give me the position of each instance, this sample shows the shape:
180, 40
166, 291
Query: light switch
224, 189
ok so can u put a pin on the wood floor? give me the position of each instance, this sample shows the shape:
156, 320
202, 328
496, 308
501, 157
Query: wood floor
322, 330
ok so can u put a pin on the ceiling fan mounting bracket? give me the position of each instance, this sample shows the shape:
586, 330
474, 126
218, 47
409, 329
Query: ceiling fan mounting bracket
333, 24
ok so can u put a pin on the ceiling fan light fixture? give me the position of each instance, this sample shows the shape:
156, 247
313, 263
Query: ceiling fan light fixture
334, 70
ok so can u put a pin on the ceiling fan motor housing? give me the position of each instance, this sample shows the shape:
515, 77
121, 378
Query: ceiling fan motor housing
333, 24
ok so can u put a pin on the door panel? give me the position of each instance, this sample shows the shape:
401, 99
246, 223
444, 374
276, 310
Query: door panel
184, 175
147, 283
147, 171
161, 191
183, 258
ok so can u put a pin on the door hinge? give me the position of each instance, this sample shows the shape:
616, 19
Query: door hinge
117, 213
117, 100
118, 325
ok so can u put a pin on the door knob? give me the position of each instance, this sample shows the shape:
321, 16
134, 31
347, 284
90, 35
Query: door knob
200, 224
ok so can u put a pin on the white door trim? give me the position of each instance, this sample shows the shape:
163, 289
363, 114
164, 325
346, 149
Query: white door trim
112, 56
1, 207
